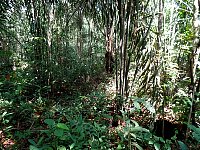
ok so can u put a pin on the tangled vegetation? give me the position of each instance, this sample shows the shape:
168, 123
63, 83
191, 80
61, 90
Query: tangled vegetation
99, 74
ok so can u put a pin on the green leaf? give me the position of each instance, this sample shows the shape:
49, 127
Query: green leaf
31, 147
32, 142
161, 139
182, 145
4, 113
61, 147
149, 107
195, 129
137, 145
133, 121
40, 140
139, 129
151, 142
46, 147
72, 146
157, 146
100, 140
58, 132
90, 142
62, 126
119, 147
133, 135
167, 146
196, 136
96, 125
50, 122
137, 105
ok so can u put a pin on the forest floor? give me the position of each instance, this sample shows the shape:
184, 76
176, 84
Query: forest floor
28, 123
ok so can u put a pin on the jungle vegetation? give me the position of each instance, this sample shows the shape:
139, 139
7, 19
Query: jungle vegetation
99, 74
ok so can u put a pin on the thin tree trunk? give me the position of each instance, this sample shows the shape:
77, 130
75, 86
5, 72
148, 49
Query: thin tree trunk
159, 53
79, 36
193, 61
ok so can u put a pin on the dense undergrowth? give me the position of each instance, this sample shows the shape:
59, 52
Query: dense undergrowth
80, 111
38, 119
55, 94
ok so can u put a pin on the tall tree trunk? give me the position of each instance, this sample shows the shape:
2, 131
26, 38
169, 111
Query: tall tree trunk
194, 60
49, 42
159, 55
79, 36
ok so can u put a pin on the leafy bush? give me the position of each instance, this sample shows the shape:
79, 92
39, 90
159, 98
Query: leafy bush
76, 134
195, 133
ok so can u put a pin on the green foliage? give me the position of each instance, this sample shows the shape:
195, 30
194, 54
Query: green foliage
195, 132
5, 118
134, 134
51, 53
77, 134
181, 107
182, 145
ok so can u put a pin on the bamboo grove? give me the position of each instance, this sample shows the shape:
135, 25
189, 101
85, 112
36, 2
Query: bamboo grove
55, 45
